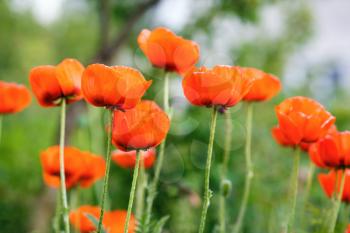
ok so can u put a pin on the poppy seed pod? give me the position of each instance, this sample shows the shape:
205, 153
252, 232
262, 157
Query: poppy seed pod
140, 128
226, 187
301, 120
220, 86
116, 87
166, 50
52, 84
13, 97
265, 86
128, 159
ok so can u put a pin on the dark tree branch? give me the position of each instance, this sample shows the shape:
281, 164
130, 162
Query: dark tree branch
106, 54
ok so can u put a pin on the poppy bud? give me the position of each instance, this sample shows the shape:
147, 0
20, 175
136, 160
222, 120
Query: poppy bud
226, 188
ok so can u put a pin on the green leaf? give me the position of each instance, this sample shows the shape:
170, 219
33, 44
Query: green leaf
160, 224
94, 221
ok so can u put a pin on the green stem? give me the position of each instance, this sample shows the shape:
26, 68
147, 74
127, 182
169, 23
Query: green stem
309, 183
293, 190
207, 191
62, 174
56, 219
140, 192
228, 139
336, 207
249, 170
132, 192
108, 164
0, 127
152, 190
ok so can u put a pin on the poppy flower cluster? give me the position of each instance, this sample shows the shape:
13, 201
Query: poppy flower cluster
13, 98
81, 168
113, 221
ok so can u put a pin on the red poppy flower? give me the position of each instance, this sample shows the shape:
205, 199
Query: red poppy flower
114, 222
166, 50
222, 86
347, 229
93, 169
119, 87
128, 159
330, 181
332, 151
13, 97
51, 84
265, 86
301, 120
81, 222
140, 128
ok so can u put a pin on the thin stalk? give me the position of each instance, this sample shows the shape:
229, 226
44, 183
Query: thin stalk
132, 191
108, 164
64, 201
140, 192
249, 169
336, 207
228, 139
309, 181
293, 190
152, 190
56, 219
207, 191
0, 127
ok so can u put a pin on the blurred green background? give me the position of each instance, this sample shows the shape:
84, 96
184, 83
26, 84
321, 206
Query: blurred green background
299, 41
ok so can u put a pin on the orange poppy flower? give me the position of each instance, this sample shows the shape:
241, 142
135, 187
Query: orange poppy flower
50, 161
118, 87
51, 84
140, 128
128, 159
347, 229
166, 50
330, 181
332, 151
222, 86
265, 86
114, 222
13, 97
94, 169
301, 120
81, 222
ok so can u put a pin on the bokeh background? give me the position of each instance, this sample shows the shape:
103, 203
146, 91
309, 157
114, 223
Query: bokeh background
305, 43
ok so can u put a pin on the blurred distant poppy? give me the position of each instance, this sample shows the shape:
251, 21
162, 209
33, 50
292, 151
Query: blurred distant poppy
330, 181
332, 151
118, 87
81, 222
265, 86
51, 84
301, 120
166, 50
114, 222
50, 162
221, 86
128, 159
140, 128
80, 167
347, 229
13, 97
93, 169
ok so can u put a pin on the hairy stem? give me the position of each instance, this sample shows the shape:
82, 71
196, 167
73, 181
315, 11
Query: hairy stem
207, 191
293, 191
249, 170
108, 164
228, 139
140, 192
62, 170
132, 192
